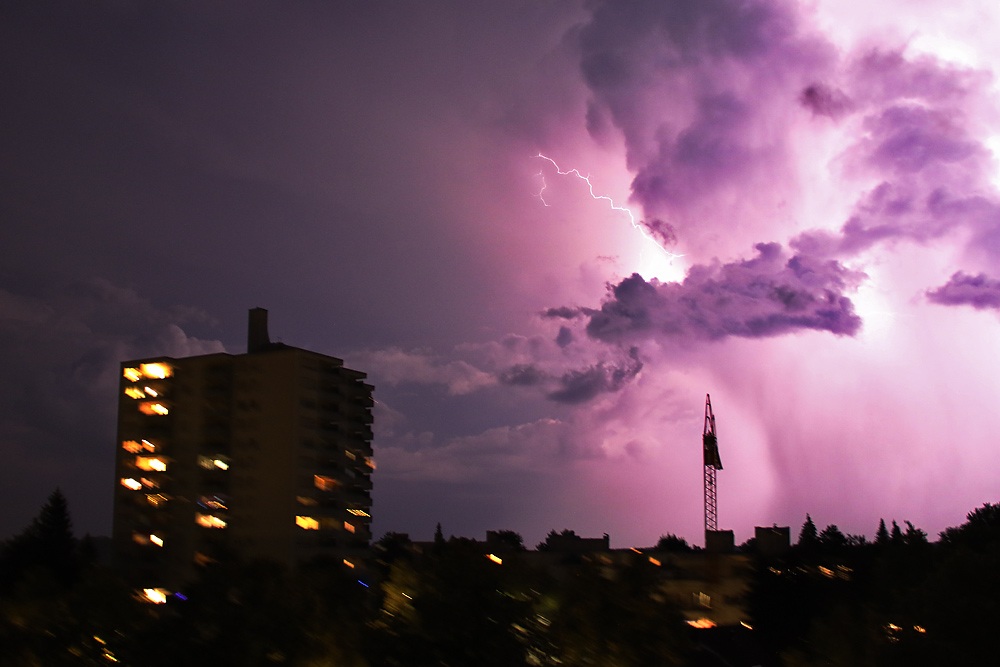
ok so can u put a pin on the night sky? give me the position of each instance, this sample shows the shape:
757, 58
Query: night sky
798, 212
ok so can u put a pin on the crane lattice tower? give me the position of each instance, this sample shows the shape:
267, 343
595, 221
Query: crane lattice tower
710, 445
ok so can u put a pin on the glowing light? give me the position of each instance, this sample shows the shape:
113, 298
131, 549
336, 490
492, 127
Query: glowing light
348, 563
219, 463
746, 625
350, 454
702, 623
148, 445
919, 629
324, 483
155, 595
134, 392
150, 391
307, 523
358, 512
156, 539
131, 374
349, 527
209, 521
132, 446
369, 462
654, 561
131, 484
156, 499
147, 463
649, 268
150, 483
153, 408
826, 571
156, 371
495, 559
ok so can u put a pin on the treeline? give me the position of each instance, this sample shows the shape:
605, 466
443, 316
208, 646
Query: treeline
900, 600
831, 600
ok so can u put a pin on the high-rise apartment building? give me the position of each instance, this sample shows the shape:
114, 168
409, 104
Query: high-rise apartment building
264, 454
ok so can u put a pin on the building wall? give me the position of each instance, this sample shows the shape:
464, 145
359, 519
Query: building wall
266, 454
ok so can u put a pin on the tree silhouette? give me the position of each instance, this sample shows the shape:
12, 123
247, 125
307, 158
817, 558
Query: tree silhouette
882, 534
808, 538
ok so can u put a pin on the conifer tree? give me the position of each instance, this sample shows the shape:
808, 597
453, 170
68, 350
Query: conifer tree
808, 536
882, 534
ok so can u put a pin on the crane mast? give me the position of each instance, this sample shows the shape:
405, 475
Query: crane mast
710, 447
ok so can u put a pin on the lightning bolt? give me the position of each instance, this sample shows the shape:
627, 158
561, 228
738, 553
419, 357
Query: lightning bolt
636, 224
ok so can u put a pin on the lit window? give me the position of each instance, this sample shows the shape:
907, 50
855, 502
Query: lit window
213, 502
154, 595
148, 463
153, 408
134, 392
213, 463
307, 523
370, 462
132, 446
325, 483
130, 483
350, 454
149, 483
359, 512
156, 371
131, 374
156, 499
158, 541
654, 561
146, 444
306, 500
151, 392
139, 538
702, 623
348, 526
348, 563
209, 521
495, 559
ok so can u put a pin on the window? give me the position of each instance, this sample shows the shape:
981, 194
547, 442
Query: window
324, 483
150, 463
131, 374
156, 371
134, 392
307, 523
132, 446
358, 512
130, 483
348, 526
209, 521
213, 463
153, 408
216, 502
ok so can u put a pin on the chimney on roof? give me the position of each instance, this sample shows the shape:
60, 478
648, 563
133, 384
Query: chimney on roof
257, 338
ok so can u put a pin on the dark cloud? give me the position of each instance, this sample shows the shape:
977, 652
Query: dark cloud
580, 386
963, 289
523, 375
823, 100
768, 295
662, 231
563, 312
565, 337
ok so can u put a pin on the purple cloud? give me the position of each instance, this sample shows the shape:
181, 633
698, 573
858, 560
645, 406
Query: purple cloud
963, 289
768, 295
580, 386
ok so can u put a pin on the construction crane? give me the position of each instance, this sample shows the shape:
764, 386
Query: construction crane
710, 445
